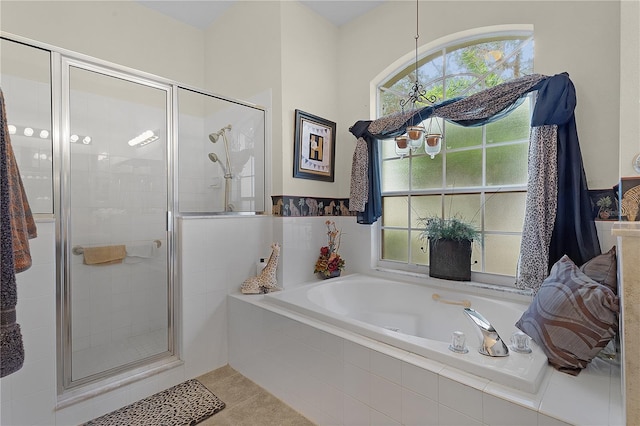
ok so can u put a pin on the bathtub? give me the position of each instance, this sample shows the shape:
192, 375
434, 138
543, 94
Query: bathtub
419, 318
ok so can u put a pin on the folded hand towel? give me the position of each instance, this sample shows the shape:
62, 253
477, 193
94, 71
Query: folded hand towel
138, 253
104, 255
147, 250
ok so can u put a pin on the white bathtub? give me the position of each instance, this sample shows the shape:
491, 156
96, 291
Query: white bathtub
405, 315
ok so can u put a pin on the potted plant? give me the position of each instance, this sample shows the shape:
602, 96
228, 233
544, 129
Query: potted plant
449, 247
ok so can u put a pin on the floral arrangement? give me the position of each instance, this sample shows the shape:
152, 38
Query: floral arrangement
329, 264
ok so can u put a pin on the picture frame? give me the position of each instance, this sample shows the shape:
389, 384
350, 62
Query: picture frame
629, 196
314, 150
604, 204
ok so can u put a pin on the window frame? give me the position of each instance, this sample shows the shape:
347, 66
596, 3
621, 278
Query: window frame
476, 36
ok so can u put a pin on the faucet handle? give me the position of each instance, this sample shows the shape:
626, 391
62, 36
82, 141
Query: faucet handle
520, 342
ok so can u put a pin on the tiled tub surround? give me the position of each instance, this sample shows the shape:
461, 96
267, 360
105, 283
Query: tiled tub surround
406, 315
336, 377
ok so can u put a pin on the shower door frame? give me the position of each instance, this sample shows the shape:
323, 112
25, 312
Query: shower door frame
69, 390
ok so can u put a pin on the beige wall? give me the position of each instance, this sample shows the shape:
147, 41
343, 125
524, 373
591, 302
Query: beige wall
310, 83
122, 32
629, 85
580, 38
309, 64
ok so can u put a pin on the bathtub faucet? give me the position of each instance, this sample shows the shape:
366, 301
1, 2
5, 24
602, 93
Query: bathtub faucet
490, 342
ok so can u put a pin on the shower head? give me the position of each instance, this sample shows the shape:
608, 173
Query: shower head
213, 137
214, 158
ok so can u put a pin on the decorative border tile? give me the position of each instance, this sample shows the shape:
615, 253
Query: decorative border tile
295, 205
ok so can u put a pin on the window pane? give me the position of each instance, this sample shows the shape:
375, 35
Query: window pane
462, 137
426, 173
387, 149
464, 168
464, 206
419, 249
394, 245
501, 253
431, 71
394, 211
513, 127
477, 248
395, 175
462, 85
507, 164
424, 206
504, 212
389, 102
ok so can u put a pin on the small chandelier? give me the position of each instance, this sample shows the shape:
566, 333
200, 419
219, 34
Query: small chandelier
415, 136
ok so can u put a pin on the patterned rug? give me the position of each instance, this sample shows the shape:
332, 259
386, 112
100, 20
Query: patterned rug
188, 403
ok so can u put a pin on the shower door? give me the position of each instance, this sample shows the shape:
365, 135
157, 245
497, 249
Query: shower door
115, 210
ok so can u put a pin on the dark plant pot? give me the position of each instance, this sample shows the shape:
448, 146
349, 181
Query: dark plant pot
450, 259
333, 274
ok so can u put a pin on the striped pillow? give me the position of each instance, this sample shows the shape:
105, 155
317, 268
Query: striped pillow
603, 269
571, 318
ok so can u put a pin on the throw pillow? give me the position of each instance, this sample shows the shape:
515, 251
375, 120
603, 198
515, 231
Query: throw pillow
603, 269
571, 317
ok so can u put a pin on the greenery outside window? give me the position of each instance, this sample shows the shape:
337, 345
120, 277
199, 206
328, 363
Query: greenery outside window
481, 173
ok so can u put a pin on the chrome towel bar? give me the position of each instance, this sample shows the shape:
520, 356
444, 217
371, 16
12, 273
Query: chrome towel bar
78, 250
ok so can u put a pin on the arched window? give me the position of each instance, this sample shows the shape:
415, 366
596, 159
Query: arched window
481, 173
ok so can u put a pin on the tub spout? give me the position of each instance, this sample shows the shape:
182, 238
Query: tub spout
490, 342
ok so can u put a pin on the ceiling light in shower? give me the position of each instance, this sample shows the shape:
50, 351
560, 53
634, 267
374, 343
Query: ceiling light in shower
44, 134
12, 129
143, 138
28, 131
83, 140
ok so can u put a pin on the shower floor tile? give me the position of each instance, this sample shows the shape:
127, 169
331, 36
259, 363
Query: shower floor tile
247, 403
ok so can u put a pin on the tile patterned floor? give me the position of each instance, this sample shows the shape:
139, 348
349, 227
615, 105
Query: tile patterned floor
247, 404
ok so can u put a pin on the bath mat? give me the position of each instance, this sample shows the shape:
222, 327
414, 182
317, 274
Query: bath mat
188, 403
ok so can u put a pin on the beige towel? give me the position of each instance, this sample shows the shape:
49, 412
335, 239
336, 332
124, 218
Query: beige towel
104, 255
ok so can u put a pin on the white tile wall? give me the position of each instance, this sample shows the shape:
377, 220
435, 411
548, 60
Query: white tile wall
330, 379
384, 385
219, 254
302, 238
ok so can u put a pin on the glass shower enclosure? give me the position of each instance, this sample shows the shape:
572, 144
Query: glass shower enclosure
115, 156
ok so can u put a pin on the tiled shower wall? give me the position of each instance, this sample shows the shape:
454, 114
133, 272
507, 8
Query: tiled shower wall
118, 195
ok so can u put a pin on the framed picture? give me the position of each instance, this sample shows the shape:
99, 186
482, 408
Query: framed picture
630, 198
604, 204
314, 148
